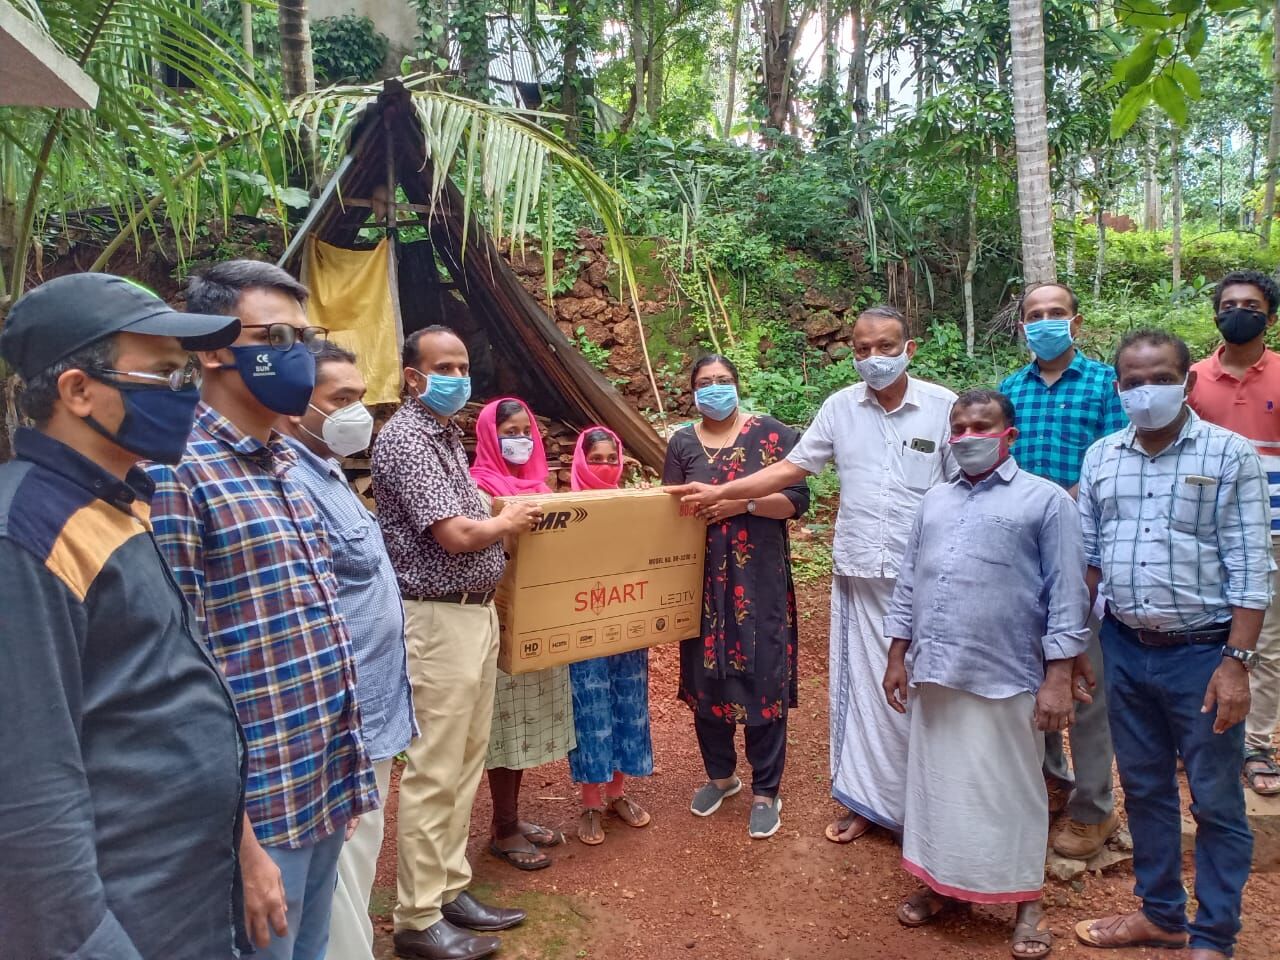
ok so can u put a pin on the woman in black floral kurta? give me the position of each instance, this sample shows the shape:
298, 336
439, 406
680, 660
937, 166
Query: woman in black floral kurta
742, 667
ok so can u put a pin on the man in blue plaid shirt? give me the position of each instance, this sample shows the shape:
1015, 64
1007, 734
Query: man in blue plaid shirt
1064, 402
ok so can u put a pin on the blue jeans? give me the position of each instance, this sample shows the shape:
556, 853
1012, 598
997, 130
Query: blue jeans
1155, 695
310, 875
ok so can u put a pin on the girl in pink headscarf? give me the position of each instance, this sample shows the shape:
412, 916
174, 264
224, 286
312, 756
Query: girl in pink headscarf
610, 694
532, 712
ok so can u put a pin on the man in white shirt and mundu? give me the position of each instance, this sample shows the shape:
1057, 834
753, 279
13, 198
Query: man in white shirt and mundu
888, 439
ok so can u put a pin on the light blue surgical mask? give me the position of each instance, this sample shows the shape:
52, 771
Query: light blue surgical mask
716, 400
1049, 338
445, 395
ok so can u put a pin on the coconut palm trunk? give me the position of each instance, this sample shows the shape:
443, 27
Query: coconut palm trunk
1030, 126
297, 72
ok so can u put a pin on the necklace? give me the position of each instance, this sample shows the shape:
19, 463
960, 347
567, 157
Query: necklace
733, 434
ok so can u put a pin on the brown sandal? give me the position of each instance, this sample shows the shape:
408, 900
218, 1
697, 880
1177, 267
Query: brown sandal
541, 836
837, 829
591, 826
629, 812
1032, 932
1113, 938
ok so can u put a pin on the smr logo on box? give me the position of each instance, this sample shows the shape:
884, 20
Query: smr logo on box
559, 519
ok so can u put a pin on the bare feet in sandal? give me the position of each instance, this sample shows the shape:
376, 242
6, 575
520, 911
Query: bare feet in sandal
1032, 937
1262, 773
519, 852
924, 906
540, 836
591, 826
629, 812
1127, 930
848, 829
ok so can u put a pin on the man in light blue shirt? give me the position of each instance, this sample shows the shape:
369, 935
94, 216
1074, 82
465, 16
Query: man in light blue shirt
337, 424
1178, 542
989, 611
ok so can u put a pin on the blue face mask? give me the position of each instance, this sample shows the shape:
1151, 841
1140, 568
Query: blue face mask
1049, 339
445, 395
280, 380
156, 424
717, 400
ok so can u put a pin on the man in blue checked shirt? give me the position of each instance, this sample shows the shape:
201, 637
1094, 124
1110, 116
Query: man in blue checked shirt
338, 424
1064, 402
1176, 537
251, 555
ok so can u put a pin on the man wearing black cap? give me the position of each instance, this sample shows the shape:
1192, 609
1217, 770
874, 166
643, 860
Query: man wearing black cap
121, 759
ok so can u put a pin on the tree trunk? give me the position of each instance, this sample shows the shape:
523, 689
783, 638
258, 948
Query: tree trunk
731, 97
777, 35
1175, 202
1030, 126
639, 60
1273, 139
1222, 194
971, 264
470, 28
1073, 235
653, 93
246, 35
572, 34
1152, 211
296, 70
858, 70
1100, 263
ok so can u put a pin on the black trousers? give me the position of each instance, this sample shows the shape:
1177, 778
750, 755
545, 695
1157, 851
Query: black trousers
766, 751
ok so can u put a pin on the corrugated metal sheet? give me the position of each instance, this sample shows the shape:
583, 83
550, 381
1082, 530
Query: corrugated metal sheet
524, 53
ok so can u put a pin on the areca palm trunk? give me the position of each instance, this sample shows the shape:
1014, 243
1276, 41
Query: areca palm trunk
1030, 127
296, 69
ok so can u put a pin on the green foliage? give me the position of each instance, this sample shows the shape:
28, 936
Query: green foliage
595, 354
347, 49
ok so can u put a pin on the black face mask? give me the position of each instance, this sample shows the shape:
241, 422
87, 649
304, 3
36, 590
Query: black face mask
1240, 324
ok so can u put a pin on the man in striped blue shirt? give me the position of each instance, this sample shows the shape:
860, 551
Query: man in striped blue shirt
1177, 541
338, 424
1064, 402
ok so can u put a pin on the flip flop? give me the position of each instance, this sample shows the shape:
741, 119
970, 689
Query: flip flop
510, 856
541, 836
1031, 932
921, 898
1084, 933
837, 828
592, 818
635, 815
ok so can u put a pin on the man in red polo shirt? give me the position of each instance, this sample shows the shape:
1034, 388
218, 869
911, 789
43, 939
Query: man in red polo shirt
1238, 387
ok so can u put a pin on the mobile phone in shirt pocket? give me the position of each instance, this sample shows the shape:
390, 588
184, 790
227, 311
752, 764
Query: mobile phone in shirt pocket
1195, 499
918, 467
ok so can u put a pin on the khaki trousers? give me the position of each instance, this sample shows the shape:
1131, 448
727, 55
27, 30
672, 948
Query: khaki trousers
350, 929
453, 663
1264, 680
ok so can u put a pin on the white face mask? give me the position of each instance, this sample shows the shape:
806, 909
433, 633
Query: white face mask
347, 430
879, 371
516, 450
975, 454
1153, 406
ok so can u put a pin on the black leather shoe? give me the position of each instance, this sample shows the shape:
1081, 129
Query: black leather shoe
467, 911
443, 941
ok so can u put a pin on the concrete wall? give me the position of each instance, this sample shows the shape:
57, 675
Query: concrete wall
394, 19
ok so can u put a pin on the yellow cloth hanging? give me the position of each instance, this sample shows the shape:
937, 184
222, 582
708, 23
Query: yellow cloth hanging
351, 297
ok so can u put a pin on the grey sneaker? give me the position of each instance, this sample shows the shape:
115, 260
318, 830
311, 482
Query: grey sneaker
765, 819
709, 797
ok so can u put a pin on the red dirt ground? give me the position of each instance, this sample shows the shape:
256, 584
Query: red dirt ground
688, 887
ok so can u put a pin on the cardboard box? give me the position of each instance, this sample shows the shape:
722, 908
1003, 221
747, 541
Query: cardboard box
606, 571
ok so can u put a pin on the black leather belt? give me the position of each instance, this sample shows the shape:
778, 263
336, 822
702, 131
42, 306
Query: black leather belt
473, 597
1216, 634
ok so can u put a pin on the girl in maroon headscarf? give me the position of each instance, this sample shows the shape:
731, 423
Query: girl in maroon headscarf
610, 694
532, 712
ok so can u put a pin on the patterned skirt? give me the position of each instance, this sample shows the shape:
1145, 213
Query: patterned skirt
532, 719
611, 716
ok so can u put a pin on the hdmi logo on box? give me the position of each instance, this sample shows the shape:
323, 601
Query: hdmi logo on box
560, 519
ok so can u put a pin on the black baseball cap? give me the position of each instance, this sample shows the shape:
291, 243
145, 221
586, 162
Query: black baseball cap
68, 313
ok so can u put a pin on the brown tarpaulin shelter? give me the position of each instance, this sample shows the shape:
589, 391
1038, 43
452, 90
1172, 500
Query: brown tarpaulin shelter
515, 346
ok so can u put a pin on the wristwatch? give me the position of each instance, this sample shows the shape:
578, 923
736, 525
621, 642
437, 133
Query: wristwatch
1248, 658
751, 507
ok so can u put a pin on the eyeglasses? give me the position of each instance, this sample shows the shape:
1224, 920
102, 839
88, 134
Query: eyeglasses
712, 382
282, 336
188, 376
